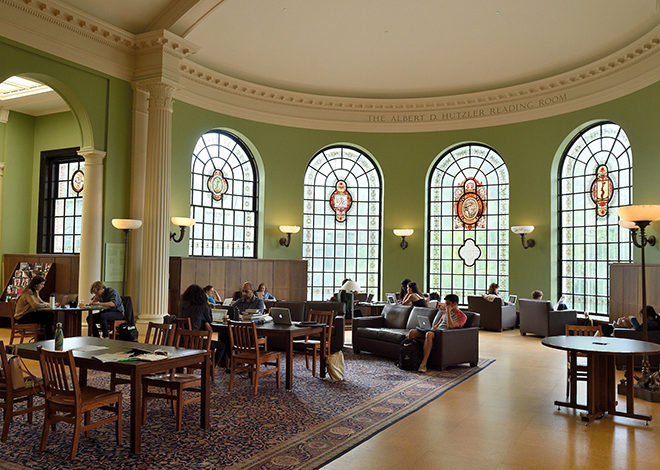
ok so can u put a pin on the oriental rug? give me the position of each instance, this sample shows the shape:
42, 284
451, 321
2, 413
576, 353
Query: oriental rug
304, 428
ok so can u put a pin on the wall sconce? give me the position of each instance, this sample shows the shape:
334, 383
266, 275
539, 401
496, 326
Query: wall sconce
523, 230
403, 233
288, 229
126, 225
181, 222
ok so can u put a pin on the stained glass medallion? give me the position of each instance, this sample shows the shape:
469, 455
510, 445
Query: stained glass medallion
341, 201
602, 190
78, 181
217, 184
470, 197
469, 252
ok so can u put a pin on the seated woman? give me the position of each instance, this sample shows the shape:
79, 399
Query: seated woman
632, 321
28, 304
212, 295
494, 289
414, 297
265, 295
194, 305
404, 289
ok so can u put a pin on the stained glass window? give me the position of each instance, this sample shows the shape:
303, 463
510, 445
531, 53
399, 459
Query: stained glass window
341, 222
223, 197
468, 223
595, 177
60, 204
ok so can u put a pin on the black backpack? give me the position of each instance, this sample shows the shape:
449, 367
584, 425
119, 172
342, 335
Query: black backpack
411, 354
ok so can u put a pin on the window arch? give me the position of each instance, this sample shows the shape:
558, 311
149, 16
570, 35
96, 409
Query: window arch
223, 197
342, 221
595, 177
468, 197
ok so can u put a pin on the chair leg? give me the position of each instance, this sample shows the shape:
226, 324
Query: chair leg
314, 363
145, 402
118, 422
256, 379
88, 416
44, 434
307, 361
30, 403
76, 439
277, 374
7, 416
179, 411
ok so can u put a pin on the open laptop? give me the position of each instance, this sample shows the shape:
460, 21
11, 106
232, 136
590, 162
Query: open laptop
370, 298
391, 298
228, 301
424, 322
65, 301
513, 299
219, 315
281, 316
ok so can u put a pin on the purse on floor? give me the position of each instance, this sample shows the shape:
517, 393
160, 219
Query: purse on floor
335, 365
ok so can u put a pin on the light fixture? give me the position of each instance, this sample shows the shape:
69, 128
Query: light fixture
403, 233
288, 229
350, 286
637, 218
523, 230
181, 222
126, 225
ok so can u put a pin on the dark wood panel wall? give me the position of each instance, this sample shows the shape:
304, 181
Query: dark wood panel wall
286, 279
66, 270
626, 288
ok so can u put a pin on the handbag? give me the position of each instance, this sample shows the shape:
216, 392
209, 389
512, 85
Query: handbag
21, 376
335, 365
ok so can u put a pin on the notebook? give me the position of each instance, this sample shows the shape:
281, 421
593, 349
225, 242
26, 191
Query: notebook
423, 322
513, 299
281, 316
391, 298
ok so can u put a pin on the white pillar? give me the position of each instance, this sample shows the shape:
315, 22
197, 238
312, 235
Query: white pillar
2, 192
138, 174
156, 227
91, 237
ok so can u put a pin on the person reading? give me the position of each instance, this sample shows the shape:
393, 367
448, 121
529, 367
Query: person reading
29, 303
452, 318
212, 296
114, 309
248, 300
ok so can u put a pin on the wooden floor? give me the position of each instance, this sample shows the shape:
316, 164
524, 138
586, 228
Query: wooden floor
504, 418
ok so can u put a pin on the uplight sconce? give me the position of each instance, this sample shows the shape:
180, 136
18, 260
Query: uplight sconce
182, 223
288, 229
403, 233
126, 225
523, 230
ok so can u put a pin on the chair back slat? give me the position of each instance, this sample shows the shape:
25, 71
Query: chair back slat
578, 330
59, 373
183, 323
161, 334
321, 316
5, 374
191, 339
243, 336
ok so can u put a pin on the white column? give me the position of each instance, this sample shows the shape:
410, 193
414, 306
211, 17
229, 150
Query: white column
138, 172
2, 198
91, 237
156, 227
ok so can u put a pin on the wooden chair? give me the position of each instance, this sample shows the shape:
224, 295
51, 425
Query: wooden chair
10, 395
68, 401
158, 334
247, 355
23, 331
580, 369
311, 346
177, 382
183, 323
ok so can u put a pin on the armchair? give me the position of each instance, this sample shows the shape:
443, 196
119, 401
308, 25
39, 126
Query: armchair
538, 318
496, 315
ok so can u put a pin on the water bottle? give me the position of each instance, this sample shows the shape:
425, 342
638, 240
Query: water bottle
59, 337
52, 301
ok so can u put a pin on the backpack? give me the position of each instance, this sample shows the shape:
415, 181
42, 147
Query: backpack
126, 332
411, 354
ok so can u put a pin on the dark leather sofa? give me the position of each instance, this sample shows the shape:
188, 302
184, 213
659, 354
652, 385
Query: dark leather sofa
383, 335
538, 318
654, 337
495, 316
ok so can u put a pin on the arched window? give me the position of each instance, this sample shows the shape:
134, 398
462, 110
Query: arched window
223, 197
468, 222
595, 177
341, 225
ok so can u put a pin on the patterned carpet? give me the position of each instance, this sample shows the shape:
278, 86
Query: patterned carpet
300, 429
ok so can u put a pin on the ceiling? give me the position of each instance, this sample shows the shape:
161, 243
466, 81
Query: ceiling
389, 48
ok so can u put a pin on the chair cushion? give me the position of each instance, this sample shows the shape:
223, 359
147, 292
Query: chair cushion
396, 316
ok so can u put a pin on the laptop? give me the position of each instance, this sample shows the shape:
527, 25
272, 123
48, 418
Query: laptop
228, 301
391, 298
370, 298
513, 299
281, 316
424, 322
64, 303
219, 315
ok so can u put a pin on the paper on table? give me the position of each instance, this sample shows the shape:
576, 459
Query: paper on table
114, 357
90, 347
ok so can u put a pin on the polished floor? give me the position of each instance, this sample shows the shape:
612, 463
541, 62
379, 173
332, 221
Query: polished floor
504, 418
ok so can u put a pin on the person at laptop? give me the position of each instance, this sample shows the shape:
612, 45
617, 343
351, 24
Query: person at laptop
212, 295
29, 303
248, 300
114, 309
265, 295
404, 289
452, 318
194, 305
414, 297
494, 289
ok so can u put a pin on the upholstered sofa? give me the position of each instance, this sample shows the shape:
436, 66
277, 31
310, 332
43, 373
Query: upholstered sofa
383, 335
538, 318
654, 337
495, 316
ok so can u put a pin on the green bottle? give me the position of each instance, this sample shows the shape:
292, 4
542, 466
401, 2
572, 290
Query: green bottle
59, 337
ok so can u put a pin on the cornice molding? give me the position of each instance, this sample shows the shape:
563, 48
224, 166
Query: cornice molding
57, 29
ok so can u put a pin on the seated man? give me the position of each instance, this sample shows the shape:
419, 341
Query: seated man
248, 300
537, 295
109, 298
455, 319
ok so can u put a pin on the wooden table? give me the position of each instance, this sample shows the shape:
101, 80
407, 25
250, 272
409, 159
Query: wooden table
289, 333
601, 374
72, 321
371, 309
179, 357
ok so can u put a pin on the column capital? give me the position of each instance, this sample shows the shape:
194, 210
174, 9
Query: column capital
92, 156
160, 96
4, 115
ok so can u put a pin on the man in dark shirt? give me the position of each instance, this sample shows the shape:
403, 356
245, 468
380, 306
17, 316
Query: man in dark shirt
248, 300
114, 310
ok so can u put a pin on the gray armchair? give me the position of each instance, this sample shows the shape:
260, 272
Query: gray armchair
538, 318
495, 316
